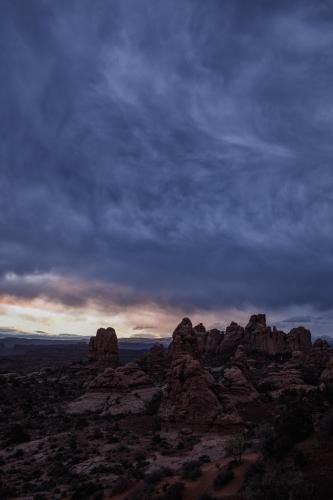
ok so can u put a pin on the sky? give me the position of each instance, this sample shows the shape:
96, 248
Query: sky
161, 159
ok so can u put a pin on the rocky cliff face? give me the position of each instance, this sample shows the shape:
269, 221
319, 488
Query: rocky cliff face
103, 348
196, 341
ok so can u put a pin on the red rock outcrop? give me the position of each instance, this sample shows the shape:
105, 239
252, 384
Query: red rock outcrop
259, 337
196, 341
103, 348
129, 376
233, 336
238, 387
184, 340
299, 339
321, 345
155, 362
327, 374
121, 391
192, 396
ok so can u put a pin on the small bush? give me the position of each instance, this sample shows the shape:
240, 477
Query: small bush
235, 447
157, 475
16, 435
299, 459
153, 405
85, 490
223, 477
174, 492
192, 470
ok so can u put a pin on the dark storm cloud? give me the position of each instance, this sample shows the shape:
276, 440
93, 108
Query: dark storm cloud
181, 149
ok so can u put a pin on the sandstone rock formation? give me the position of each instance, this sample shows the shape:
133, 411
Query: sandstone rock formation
155, 362
321, 345
126, 377
327, 374
184, 340
122, 391
299, 339
196, 341
261, 338
238, 386
192, 396
103, 348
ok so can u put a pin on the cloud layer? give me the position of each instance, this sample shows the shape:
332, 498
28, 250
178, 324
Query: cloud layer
179, 151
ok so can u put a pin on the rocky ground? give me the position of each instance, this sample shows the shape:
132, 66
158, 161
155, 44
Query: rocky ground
241, 414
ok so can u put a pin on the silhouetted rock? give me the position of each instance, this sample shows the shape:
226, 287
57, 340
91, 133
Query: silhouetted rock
321, 345
261, 338
103, 348
155, 362
184, 340
257, 323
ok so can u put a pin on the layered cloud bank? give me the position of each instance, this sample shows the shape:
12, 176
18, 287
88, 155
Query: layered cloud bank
166, 158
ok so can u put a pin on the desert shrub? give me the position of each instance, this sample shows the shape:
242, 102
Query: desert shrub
139, 456
112, 439
299, 459
277, 484
235, 447
85, 490
16, 435
153, 405
272, 444
119, 486
326, 424
156, 439
223, 477
174, 492
191, 470
157, 475
18, 453
310, 374
295, 422
144, 493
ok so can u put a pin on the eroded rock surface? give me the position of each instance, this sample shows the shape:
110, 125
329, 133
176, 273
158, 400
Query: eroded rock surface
103, 348
192, 396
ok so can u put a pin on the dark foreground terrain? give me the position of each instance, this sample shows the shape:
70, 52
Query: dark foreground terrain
241, 414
